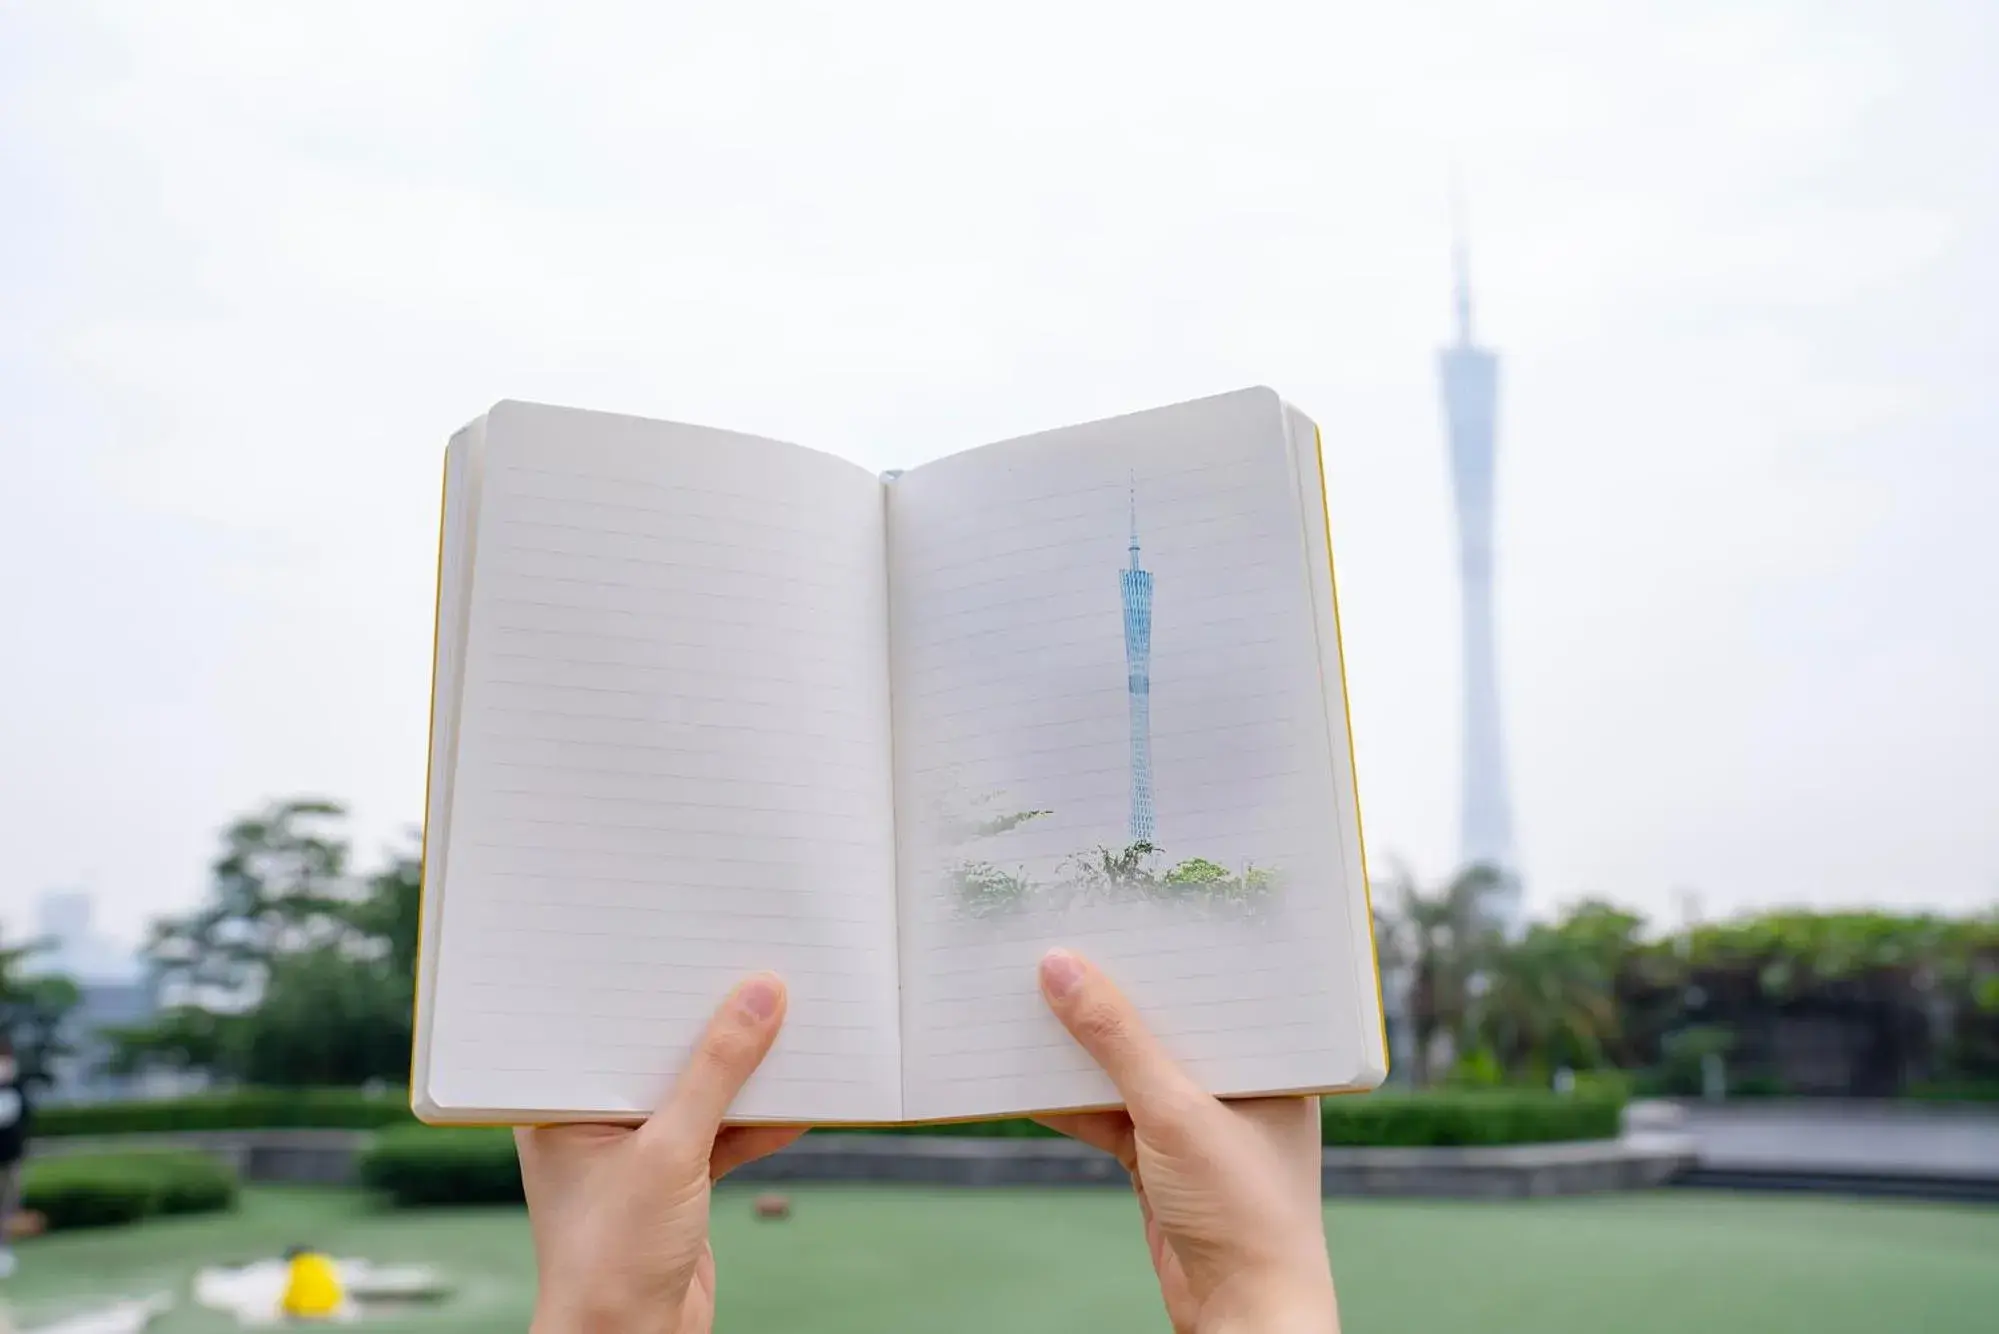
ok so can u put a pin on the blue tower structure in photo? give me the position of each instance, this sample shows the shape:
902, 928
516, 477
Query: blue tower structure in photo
1135, 585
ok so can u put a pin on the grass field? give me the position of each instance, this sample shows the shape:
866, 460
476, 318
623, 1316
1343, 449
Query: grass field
872, 1260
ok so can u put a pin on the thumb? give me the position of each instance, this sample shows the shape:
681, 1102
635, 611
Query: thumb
737, 1039
1104, 1022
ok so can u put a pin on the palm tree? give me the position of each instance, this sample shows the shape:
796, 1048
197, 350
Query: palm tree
1548, 1002
1438, 940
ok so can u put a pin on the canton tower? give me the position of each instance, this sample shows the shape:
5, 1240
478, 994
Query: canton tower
1470, 381
1135, 585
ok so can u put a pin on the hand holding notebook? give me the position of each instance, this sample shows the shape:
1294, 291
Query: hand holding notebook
706, 704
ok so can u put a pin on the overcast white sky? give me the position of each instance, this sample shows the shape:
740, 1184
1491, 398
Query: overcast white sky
257, 261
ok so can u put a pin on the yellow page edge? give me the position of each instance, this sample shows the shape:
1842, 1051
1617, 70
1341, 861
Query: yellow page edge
429, 762
1353, 765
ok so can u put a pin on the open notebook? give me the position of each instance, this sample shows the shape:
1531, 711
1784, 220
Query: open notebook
706, 704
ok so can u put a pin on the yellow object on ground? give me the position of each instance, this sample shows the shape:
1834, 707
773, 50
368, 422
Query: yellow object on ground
312, 1287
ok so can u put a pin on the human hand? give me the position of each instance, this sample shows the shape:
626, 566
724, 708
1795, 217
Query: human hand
1229, 1191
620, 1213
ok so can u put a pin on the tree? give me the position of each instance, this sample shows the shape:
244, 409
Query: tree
340, 1013
1440, 938
183, 1038
390, 910
32, 1009
1917, 996
1549, 1001
293, 971
327, 1018
280, 885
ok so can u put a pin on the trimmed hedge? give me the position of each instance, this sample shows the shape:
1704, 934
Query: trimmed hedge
1395, 1119
419, 1165
239, 1109
110, 1189
1962, 1090
1454, 1120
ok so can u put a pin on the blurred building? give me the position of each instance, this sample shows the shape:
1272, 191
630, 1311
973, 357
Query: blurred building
115, 994
66, 921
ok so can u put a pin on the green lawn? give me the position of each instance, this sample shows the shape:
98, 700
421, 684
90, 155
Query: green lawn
871, 1260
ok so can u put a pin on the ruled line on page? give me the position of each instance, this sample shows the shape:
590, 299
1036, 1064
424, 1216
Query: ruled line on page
779, 513
566, 721
540, 556
682, 540
1236, 555
800, 978
761, 784
1085, 618
820, 635
679, 672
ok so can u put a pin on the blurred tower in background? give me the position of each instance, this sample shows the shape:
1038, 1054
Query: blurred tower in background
1470, 383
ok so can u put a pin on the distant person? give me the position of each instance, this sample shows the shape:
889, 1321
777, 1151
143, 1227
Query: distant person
1228, 1193
16, 1113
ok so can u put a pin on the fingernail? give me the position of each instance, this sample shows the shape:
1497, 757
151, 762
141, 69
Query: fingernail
758, 997
1061, 973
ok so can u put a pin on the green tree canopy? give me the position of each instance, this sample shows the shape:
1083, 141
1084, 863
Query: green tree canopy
294, 970
32, 1008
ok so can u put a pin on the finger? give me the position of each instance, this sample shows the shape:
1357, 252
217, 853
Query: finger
728, 1053
1109, 1131
1099, 1017
737, 1145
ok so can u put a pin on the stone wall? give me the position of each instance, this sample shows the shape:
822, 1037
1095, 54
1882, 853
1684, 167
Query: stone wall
1640, 1161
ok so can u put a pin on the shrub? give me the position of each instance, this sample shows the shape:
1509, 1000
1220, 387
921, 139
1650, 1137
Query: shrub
1438, 1120
1614, 1085
1963, 1090
420, 1165
190, 1183
86, 1193
238, 1109
1477, 1069
106, 1190
1956, 1091
1758, 1086
1398, 1118
1684, 1056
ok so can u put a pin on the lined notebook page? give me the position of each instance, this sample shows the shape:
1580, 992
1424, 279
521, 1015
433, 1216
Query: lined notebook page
463, 461
1308, 461
672, 769
1025, 629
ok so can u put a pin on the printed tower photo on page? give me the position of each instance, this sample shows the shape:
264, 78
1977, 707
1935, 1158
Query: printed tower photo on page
1133, 866
1111, 734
